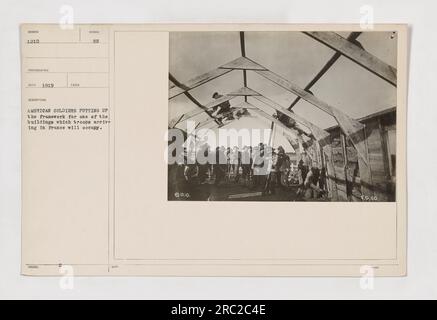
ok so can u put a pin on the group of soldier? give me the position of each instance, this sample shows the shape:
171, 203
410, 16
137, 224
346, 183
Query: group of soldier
261, 168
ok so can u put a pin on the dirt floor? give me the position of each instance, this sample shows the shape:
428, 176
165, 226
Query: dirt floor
232, 191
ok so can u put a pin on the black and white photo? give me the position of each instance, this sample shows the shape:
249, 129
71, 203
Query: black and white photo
282, 116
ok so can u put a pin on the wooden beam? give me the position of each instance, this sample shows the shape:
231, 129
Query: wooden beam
332, 178
197, 81
354, 130
346, 161
272, 134
287, 85
242, 63
242, 44
366, 180
243, 53
244, 91
356, 54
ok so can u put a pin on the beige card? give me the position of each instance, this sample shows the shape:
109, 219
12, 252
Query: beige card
214, 150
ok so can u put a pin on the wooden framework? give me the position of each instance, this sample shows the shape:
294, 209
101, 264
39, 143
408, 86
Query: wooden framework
352, 130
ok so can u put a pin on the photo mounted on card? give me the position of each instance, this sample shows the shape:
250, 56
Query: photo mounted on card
214, 150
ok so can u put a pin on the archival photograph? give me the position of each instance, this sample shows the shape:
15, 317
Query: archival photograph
282, 116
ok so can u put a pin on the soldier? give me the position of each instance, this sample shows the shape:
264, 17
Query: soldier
282, 168
222, 107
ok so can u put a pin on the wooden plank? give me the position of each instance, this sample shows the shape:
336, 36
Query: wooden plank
331, 177
244, 91
365, 170
346, 160
242, 63
243, 53
384, 148
354, 131
359, 141
197, 81
374, 149
287, 85
356, 54
378, 171
377, 165
375, 157
342, 196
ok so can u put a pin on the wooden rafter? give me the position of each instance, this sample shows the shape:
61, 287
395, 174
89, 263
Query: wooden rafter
287, 85
243, 54
244, 91
242, 63
356, 54
197, 81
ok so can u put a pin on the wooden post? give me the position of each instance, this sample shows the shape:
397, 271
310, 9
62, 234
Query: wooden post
331, 172
364, 167
346, 160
